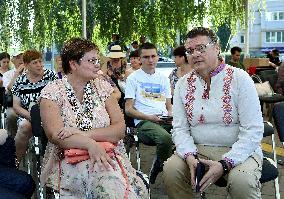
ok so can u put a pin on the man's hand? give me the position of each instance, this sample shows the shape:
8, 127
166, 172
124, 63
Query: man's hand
154, 118
212, 175
20, 70
192, 164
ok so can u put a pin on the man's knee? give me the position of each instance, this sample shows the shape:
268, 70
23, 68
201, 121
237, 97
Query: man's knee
165, 139
25, 128
242, 184
175, 169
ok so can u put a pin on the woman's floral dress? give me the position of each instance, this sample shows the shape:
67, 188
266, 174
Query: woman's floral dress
76, 181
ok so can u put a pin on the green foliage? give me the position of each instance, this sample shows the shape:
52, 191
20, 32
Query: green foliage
39, 23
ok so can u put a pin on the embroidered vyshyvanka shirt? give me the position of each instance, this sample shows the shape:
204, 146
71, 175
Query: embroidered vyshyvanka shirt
229, 115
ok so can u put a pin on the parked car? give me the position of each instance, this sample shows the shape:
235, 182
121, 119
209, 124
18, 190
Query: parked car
165, 67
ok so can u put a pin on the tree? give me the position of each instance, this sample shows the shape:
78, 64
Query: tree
39, 23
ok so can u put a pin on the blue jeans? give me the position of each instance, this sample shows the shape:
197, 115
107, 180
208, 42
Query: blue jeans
15, 184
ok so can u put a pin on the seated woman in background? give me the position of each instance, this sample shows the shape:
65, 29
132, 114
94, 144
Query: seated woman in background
58, 67
182, 66
135, 63
84, 114
26, 91
4, 65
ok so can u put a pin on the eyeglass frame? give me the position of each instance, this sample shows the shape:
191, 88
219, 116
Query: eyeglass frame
187, 53
92, 61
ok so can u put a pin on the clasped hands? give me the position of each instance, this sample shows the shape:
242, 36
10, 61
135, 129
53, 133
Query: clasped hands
97, 153
214, 172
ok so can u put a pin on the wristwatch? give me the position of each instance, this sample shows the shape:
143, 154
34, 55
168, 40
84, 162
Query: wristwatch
225, 167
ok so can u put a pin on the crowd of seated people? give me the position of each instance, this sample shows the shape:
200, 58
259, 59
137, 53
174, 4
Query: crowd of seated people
82, 110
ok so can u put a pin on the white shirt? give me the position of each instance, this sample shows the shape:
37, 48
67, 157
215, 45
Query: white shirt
231, 119
7, 76
149, 91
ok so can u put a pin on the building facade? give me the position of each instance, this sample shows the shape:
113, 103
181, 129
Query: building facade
266, 28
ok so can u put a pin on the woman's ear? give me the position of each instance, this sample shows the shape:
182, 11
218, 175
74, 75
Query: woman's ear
73, 65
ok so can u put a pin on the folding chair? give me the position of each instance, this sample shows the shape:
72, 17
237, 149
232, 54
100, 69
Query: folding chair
278, 116
39, 146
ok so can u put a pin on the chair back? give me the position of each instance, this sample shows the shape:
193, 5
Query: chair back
269, 75
278, 116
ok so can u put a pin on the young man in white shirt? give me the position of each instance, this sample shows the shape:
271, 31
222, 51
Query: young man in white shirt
148, 97
8, 80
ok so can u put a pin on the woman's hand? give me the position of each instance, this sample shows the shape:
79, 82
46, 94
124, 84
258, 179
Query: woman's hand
99, 156
212, 175
192, 164
66, 132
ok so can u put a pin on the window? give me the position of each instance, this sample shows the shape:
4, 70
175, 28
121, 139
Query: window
275, 16
242, 39
274, 37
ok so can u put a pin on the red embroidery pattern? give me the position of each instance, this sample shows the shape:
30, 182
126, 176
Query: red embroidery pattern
189, 98
227, 108
201, 120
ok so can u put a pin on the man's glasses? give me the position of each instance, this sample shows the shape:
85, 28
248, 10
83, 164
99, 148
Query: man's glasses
92, 61
199, 49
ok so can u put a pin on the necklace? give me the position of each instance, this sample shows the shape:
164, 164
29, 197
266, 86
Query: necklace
85, 117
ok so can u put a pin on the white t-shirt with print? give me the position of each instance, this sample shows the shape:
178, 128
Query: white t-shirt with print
149, 92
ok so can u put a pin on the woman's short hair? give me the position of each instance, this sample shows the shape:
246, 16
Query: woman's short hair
74, 49
133, 54
180, 51
4, 55
31, 55
202, 31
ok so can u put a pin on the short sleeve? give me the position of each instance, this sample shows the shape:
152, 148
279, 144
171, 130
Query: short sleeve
52, 92
103, 88
15, 88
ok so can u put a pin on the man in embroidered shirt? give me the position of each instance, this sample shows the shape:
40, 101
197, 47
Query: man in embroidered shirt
148, 96
216, 116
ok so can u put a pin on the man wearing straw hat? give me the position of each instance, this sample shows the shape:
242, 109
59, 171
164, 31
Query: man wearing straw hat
116, 67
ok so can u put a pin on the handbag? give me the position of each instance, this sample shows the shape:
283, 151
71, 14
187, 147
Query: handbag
74, 156
263, 88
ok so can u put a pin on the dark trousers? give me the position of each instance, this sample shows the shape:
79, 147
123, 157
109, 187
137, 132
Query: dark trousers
153, 134
15, 184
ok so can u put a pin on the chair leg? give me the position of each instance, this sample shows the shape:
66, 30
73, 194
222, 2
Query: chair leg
137, 153
276, 182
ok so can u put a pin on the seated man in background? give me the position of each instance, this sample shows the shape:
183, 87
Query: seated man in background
8, 81
148, 96
235, 58
273, 56
14, 184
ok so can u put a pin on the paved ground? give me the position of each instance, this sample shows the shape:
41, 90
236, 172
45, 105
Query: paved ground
214, 192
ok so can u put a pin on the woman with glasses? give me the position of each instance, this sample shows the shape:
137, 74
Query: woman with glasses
217, 122
84, 114
182, 66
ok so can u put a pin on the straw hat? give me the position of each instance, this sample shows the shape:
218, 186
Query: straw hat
116, 52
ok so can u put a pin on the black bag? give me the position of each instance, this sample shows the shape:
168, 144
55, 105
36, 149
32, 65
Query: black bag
8, 153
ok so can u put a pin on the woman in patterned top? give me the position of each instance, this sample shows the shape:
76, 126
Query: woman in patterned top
85, 113
26, 91
182, 66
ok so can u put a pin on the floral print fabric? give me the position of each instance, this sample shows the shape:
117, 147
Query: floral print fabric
76, 180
